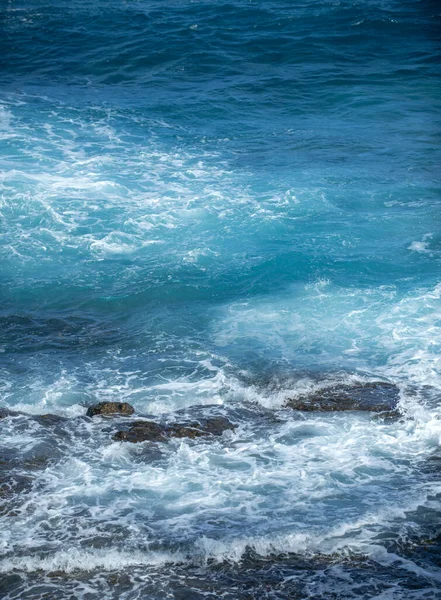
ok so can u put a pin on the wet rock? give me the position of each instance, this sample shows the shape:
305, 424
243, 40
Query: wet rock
37, 463
141, 431
5, 412
110, 408
50, 419
217, 425
148, 431
387, 416
17, 460
191, 431
377, 396
56, 574
121, 579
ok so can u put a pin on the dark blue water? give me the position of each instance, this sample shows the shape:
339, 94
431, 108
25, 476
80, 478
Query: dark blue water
209, 208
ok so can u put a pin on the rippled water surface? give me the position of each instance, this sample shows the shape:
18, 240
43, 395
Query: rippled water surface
209, 209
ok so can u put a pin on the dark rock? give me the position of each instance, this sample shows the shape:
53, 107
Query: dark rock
36, 463
110, 408
46, 419
180, 431
375, 396
50, 419
56, 574
5, 412
217, 425
148, 431
387, 416
141, 431
119, 579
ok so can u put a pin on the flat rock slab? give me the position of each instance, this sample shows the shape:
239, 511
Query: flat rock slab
110, 408
377, 396
149, 431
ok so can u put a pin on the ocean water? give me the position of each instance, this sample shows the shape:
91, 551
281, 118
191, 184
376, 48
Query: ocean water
208, 208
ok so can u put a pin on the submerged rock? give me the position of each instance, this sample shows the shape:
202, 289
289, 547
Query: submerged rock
110, 408
377, 396
46, 419
148, 431
13, 484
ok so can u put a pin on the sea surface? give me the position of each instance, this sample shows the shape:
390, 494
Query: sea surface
208, 208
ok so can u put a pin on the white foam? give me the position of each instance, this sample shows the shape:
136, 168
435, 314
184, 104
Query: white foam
396, 337
423, 246
6, 118
75, 559
419, 247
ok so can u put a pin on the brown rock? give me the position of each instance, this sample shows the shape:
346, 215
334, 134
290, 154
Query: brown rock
141, 431
148, 431
180, 431
110, 408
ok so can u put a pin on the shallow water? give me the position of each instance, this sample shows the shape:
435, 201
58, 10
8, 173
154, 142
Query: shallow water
209, 208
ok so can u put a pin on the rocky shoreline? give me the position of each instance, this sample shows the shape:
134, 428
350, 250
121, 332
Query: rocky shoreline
119, 422
377, 397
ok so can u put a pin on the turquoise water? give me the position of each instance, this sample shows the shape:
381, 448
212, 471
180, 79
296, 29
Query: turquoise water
209, 208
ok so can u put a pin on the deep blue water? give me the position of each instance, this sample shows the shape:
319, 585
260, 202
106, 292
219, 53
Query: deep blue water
209, 207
